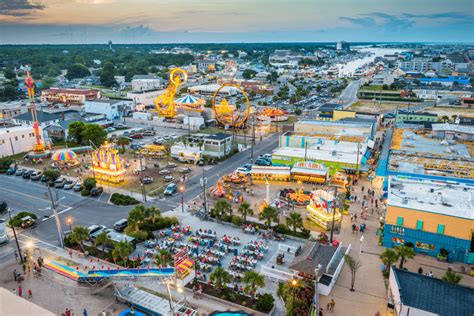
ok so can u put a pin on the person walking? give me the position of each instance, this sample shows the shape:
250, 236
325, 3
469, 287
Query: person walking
30, 293
20, 291
320, 311
15, 275
332, 304
84, 312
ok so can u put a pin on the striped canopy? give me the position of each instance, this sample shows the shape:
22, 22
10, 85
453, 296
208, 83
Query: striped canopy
64, 155
189, 100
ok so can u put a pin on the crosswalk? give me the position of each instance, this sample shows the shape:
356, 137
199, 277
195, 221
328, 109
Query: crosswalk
37, 243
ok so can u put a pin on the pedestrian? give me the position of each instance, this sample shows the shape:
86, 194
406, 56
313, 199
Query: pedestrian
14, 291
84, 312
332, 303
353, 228
320, 311
30, 293
16, 255
24, 268
420, 270
70, 253
355, 198
362, 189
68, 312
15, 275
431, 274
20, 291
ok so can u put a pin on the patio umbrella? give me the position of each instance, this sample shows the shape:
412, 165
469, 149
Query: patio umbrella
64, 155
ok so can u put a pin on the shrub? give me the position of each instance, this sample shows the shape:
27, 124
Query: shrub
140, 235
16, 220
89, 183
237, 220
121, 199
69, 242
227, 218
281, 229
265, 303
85, 192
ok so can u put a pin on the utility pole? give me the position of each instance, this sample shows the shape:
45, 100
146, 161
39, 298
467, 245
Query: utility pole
305, 150
92, 160
335, 199
56, 216
141, 180
204, 182
253, 139
16, 238
357, 162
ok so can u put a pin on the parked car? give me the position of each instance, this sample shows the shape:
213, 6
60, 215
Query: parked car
121, 224
147, 180
164, 172
27, 222
77, 187
95, 230
97, 191
171, 165
266, 156
68, 185
27, 174
109, 129
11, 171
243, 170
136, 136
136, 146
59, 183
184, 170
247, 166
20, 172
158, 141
171, 189
120, 126
263, 162
168, 178
149, 133
36, 175
45, 178
173, 136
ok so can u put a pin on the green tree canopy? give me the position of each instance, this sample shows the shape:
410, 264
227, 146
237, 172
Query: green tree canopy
245, 210
94, 133
107, 75
77, 71
9, 74
248, 74
269, 214
294, 220
75, 130
9, 93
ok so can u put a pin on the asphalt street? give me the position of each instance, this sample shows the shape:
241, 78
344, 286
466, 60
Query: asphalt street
26, 195
349, 94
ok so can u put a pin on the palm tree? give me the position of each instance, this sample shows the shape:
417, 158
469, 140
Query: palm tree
404, 253
220, 277
354, 266
294, 220
122, 249
123, 141
445, 119
102, 239
253, 280
268, 214
136, 216
153, 214
222, 207
245, 210
79, 235
451, 277
389, 257
163, 258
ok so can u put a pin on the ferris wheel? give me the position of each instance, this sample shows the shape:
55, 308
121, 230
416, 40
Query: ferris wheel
165, 102
231, 115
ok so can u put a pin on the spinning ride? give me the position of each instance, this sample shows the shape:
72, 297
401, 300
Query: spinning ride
165, 104
231, 115
274, 114
300, 198
218, 191
235, 178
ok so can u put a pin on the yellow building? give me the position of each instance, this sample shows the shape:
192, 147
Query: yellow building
437, 218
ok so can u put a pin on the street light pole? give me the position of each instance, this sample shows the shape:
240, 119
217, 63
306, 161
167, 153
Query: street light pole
56, 216
69, 221
16, 238
170, 298
141, 180
204, 180
181, 188
333, 213
253, 139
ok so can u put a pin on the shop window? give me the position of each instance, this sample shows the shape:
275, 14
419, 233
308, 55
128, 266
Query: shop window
419, 225
399, 221
440, 229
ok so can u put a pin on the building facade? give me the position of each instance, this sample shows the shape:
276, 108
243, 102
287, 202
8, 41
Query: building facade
112, 109
145, 82
17, 139
218, 145
69, 96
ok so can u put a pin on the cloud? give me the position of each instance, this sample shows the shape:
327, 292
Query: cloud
96, 1
19, 7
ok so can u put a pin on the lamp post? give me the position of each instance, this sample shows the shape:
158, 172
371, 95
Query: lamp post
56, 216
361, 241
294, 284
14, 235
182, 189
69, 221
316, 290
334, 200
170, 298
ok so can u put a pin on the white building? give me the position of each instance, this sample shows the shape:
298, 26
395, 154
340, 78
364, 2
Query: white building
112, 109
144, 97
17, 139
145, 82
217, 145
210, 89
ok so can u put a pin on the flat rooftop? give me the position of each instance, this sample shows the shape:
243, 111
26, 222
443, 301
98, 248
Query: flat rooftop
343, 152
353, 124
448, 198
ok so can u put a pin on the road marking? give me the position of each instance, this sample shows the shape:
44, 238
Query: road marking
52, 215
28, 195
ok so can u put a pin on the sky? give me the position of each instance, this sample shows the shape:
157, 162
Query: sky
205, 21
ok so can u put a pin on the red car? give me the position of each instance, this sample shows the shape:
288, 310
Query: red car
137, 136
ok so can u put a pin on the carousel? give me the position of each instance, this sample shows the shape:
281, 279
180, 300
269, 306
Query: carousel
321, 211
64, 159
190, 103
106, 164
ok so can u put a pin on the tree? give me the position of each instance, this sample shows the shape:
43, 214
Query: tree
48, 82
3, 207
123, 141
389, 257
221, 208
245, 210
153, 213
163, 258
249, 74
451, 277
9, 93
298, 112
253, 280
404, 253
79, 235
454, 118
89, 183
445, 119
107, 75
354, 265
75, 130
77, 71
136, 216
269, 214
294, 220
122, 249
9, 74
94, 133
102, 239
220, 277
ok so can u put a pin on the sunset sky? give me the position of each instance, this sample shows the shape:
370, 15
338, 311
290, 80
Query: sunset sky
162, 21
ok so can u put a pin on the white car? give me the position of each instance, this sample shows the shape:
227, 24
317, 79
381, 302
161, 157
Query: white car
243, 170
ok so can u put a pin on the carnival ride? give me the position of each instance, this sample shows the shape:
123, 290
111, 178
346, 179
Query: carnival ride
190, 103
235, 178
230, 115
298, 198
218, 190
339, 179
323, 209
107, 165
165, 103
39, 150
153, 151
275, 115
